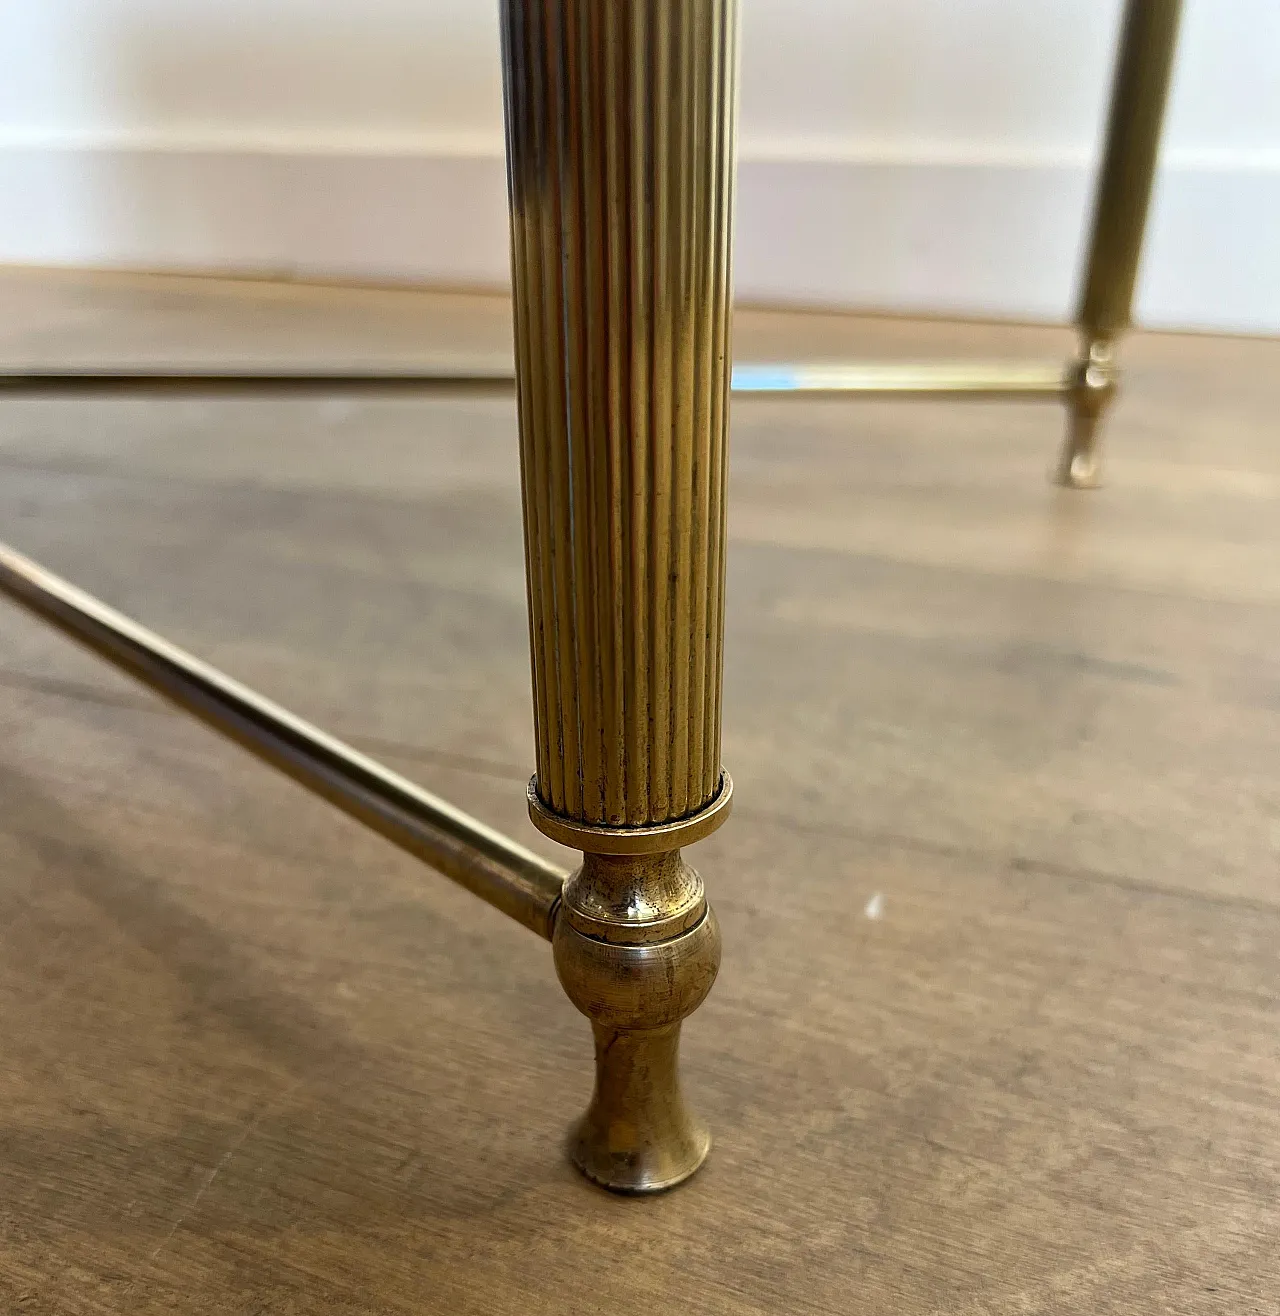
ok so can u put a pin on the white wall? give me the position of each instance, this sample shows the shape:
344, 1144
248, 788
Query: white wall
925, 154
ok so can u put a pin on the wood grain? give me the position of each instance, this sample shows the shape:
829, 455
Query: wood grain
258, 1061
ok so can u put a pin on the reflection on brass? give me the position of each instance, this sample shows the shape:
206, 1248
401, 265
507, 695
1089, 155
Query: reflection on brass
489, 865
620, 149
1143, 65
976, 380
892, 379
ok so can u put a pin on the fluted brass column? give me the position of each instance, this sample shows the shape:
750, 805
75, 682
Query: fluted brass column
1148, 38
620, 147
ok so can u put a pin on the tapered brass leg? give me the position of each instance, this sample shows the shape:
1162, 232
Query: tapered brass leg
620, 147
1147, 41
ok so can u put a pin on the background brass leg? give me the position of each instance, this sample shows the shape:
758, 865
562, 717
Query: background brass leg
620, 148
1147, 41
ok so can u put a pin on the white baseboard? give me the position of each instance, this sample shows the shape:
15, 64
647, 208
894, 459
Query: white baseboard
999, 237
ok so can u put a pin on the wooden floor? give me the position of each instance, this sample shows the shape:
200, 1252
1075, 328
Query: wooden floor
997, 1029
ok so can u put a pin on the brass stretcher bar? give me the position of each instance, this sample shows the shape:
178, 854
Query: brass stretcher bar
496, 869
889, 379
100, 381
978, 381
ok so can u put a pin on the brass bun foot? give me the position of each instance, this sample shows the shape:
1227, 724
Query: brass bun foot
655, 968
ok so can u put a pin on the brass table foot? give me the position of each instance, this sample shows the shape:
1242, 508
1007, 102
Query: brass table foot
637, 1135
637, 948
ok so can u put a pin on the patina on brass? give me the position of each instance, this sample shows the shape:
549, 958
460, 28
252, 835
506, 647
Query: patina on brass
620, 148
1143, 65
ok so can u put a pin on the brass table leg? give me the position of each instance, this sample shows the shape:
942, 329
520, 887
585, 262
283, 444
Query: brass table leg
620, 147
1145, 58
